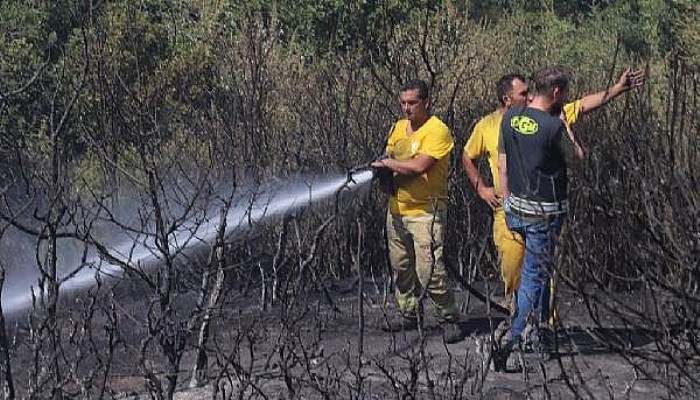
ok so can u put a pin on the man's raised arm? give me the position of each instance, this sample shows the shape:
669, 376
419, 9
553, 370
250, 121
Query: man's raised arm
628, 80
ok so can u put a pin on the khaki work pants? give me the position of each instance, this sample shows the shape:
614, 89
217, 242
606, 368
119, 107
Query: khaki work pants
416, 255
511, 250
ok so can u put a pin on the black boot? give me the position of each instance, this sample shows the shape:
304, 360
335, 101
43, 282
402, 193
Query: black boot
400, 323
505, 358
451, 331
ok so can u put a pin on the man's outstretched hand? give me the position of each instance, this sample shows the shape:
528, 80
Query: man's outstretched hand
631, 79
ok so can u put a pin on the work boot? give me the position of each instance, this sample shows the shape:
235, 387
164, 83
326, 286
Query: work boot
499, 357
451, 331
400, 323
507, 359
545, 342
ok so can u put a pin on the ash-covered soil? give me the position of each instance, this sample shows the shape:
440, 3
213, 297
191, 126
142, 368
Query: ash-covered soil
319, 350
322, 347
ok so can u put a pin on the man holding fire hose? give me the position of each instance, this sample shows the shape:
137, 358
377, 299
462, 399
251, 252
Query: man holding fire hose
418, 151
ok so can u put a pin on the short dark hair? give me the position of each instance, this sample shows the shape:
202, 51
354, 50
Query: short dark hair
417, 84
504, 86
551, 77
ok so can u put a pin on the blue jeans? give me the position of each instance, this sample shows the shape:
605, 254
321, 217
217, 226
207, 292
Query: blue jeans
540, 234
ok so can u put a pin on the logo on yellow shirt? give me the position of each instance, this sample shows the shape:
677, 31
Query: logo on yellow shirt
524, 124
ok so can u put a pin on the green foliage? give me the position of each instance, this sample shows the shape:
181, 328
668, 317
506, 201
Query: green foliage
331, 25
681, 31
274, 87
21, 44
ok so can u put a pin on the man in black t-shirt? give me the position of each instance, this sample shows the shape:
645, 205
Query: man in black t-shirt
534, 148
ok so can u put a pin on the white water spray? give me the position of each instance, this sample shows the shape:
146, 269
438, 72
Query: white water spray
249, 211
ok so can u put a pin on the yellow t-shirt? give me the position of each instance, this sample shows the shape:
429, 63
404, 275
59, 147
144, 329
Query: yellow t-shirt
483, 141
416, 194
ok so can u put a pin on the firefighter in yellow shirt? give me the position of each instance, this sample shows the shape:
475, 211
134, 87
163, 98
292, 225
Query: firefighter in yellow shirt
512, 91
418, 151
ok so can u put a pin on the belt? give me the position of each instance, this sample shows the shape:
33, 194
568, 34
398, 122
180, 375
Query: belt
534, 208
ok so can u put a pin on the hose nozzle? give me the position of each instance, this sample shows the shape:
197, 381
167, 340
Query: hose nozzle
384, 176
367, 167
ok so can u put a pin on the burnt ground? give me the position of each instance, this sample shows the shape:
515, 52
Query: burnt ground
322, 352
323, 347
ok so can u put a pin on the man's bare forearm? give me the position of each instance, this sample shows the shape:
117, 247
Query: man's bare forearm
472, 172
627, 81
414, 166
503, 174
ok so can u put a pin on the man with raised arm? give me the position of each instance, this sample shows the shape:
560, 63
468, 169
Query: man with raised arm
534, 149
512, 91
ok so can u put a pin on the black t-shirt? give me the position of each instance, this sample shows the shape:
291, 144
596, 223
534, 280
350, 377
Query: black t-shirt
536, 146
